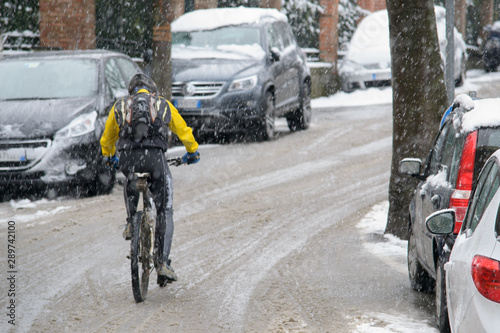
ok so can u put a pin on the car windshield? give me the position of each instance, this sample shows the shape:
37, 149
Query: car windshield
48, 79
232, 35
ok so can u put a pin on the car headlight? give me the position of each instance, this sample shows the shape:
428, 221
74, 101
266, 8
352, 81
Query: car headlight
246, 83
79, 126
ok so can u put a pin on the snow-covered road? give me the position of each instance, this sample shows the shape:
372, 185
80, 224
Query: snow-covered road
270, 237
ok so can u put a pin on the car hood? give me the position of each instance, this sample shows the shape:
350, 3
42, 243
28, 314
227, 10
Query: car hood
372, 55
184, 70
29, 119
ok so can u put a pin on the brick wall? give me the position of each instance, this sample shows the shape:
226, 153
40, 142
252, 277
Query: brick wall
372, 5
205, 4
328, 37
67, 24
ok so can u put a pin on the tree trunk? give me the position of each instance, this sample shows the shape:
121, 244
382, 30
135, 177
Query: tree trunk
461, 16
164, 14
485, 16
419, 97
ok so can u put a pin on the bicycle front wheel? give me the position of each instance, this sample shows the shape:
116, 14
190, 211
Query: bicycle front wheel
141, 267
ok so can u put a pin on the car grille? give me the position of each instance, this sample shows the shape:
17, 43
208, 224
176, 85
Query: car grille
372, 66
22, 155
196, 89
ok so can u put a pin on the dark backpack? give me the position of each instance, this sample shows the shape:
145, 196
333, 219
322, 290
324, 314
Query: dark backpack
140, 116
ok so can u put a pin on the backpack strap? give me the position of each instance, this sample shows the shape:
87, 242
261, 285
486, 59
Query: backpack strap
120, 112
153, 109
128, 110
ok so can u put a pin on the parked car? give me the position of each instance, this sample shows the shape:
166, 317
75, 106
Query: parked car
236, 69
53, 109
472, 273
491, 47
368, 59
467, 138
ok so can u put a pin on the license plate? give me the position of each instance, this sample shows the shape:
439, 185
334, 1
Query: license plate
13, 155
187, 103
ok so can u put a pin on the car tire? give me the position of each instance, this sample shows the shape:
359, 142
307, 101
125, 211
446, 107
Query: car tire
102, 184
443, 322
300, 119
265, 127
419, 278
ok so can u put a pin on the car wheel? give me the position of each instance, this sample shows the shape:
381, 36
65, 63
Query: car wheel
102, 184
419, 278
265, 127
300, 119
443, 322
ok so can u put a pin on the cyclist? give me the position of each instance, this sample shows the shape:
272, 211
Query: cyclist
147, 154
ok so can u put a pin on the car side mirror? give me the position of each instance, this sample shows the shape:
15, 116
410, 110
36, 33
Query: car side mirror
441, 222
410, 166
275, 54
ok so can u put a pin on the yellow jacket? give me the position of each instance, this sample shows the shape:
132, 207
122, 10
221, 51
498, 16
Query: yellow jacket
177, 125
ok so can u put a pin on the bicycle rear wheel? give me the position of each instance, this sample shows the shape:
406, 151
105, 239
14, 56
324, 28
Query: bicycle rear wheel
141, 261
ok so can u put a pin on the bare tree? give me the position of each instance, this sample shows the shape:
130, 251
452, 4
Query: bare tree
419, 97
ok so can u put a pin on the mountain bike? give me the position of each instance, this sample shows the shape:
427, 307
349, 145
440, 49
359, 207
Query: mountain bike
143, 252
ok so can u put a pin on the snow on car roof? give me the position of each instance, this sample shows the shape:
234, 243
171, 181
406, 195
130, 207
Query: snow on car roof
486, 113
209, 19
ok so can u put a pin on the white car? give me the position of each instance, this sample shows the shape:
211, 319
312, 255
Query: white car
473, 272
368, 59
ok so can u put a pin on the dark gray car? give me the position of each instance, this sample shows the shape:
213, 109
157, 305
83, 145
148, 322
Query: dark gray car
236, 69
53, 106
469, 134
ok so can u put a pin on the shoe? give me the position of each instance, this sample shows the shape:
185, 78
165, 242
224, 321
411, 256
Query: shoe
166, 275
127, 233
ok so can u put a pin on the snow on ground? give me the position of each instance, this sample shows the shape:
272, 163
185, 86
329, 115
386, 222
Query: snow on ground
384, 323
374, 96
391, 250
359, 97
388, 248
33, 210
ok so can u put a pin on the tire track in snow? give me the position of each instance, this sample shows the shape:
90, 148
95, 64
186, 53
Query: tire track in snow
239, 287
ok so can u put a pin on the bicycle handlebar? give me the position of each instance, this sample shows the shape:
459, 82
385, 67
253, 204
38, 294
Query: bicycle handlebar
176, 161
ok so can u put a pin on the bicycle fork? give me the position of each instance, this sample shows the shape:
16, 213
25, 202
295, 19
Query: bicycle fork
149, 220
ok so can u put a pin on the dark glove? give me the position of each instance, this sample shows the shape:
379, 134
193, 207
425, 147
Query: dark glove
191, 158
111, 162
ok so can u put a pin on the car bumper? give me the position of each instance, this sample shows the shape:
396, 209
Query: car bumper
362, 79
228, 113
481, 316
55, 163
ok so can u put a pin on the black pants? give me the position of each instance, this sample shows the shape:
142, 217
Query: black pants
154, 162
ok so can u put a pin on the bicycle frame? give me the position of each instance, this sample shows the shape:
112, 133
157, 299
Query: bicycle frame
143, 249
148, 208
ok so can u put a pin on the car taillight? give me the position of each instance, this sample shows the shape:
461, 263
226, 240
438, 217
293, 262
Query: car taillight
486, 276
460, 197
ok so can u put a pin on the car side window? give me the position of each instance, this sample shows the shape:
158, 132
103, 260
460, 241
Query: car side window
449, 151
435, 158
285, 34
114, 80
129, 69
274, 37
487, 185
455, 159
